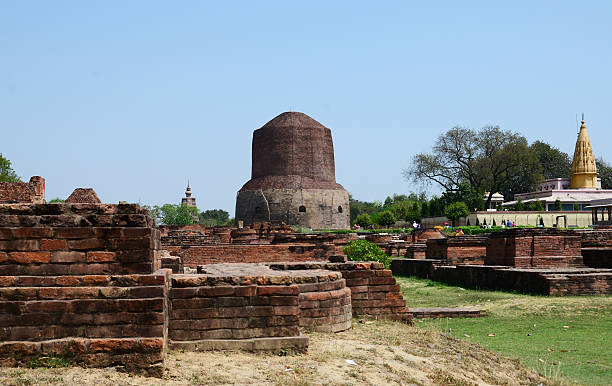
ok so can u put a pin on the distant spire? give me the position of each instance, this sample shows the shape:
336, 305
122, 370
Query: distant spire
188, 191
584, 168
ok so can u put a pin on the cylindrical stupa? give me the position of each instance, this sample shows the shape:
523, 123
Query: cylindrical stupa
293, 178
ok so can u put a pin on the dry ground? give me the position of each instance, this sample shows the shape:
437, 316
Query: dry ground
383, 353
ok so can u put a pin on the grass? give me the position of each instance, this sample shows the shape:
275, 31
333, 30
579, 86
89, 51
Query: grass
567, 338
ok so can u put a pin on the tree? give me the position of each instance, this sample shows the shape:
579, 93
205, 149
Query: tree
7, 174
558, 206
555, 163
55, 200
456, 210
605, 173
363, 220
386, 218
170, 214
214, 217
488, 160
536, 206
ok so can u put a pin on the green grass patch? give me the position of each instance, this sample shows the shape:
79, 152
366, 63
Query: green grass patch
567, 338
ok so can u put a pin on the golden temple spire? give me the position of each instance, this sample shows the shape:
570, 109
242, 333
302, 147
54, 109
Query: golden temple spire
584, 170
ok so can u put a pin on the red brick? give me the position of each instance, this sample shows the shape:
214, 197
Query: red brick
20, 245
67, 257
84, 244
278, 290
73, 233
31, 233
6, 234
52, 245
67, 280
216, 291
100, 257
30, 257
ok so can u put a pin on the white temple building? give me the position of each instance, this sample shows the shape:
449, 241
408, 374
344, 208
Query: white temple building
574, 193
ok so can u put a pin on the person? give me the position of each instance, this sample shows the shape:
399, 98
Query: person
414, 224
509, 224
460, 232
357, 226
503, 225
513, 224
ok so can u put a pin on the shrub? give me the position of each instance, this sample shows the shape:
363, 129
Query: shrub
363, 220
456, 210
386, 218
558, 206
363, 250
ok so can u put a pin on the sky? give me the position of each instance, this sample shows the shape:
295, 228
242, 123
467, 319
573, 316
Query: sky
135, 98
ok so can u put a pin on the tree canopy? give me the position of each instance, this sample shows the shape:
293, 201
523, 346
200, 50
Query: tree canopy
7, 174
456, 210
555, 163
214, 217
485, 160
171, 214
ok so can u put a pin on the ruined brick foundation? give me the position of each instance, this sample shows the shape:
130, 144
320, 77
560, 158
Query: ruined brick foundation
84, 281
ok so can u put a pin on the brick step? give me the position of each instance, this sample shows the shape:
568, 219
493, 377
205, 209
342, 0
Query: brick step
445, 312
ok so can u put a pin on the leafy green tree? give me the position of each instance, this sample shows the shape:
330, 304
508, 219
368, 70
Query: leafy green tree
363, 250
487, 160
555, 163
605, 173
425, 209
520, 205
7, 174
456, 210
171, 214
55, 200
386, 219
214, 217
558, 206
363, 220
536, 206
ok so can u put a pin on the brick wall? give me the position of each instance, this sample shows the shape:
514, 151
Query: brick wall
233, 253
249, 306
458, 249
23, 192
534, 248
77, 280
597, 248
374, 291
547, 281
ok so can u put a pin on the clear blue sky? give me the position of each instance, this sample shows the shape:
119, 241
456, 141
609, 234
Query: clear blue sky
133, 98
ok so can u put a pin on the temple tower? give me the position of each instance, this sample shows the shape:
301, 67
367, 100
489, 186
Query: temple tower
188, 200
584, 169
293, 178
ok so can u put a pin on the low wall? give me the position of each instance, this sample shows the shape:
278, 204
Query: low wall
458, 249
250, 306
374, 291
253, 253
565, 281
534, 248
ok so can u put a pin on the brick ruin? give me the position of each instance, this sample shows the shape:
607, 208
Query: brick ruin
546, 261
83, 196
86, 281
259, 243
24, 192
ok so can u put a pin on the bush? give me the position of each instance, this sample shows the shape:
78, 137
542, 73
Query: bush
363, 250
386, 218
363, 220
456, 210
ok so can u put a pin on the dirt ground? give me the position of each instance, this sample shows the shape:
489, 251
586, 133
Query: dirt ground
372, 352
